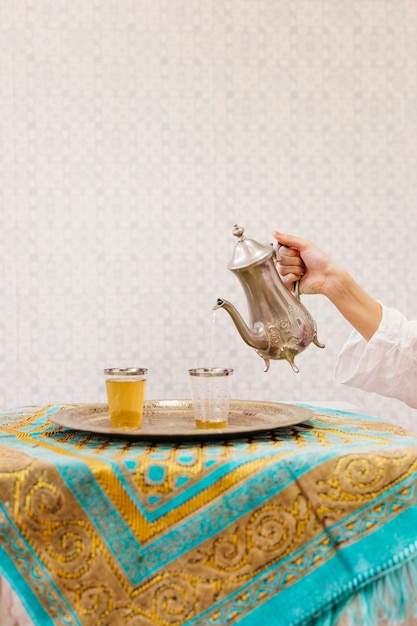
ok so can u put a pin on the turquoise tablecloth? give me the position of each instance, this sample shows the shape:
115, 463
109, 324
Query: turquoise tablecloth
284, 528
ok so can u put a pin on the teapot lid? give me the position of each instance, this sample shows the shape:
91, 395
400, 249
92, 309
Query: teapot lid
247, 251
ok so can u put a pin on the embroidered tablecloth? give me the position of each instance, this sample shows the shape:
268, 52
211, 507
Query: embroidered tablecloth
280, 528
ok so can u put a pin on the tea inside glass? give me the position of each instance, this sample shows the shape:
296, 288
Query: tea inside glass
126, 396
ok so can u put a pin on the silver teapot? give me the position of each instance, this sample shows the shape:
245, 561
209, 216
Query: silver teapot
279, 326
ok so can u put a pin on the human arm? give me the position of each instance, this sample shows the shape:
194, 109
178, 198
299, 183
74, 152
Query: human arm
381, 356
300, 259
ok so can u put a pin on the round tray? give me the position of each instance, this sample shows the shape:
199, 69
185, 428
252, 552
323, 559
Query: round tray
174, 420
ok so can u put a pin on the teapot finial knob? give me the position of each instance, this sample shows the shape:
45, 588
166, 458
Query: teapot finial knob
238, 232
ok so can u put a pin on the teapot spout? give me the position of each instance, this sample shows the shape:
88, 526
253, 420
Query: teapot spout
256, 339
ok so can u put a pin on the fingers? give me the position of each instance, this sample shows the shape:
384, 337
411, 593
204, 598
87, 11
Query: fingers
291, 253
289, 260
289, 280
290, 265
291, 273
296, 269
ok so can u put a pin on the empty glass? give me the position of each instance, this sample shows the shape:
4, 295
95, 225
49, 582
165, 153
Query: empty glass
210, 390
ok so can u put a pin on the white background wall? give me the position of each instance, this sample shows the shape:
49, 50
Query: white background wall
135, 133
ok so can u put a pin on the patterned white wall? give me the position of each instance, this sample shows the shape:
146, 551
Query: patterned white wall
135, 133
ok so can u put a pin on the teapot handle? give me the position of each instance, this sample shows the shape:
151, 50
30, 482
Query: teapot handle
297, 290
297, 283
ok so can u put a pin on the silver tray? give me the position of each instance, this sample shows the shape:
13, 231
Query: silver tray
174, 420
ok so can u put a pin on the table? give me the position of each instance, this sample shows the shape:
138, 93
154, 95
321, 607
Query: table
314, 522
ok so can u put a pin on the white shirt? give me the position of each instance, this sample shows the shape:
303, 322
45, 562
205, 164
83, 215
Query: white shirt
387, 363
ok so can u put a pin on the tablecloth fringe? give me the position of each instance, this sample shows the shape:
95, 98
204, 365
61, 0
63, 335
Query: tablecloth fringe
390, 600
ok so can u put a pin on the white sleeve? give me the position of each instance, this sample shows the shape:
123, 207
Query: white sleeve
387, 363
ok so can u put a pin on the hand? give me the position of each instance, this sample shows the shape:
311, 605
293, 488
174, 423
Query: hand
290, 265
300, 259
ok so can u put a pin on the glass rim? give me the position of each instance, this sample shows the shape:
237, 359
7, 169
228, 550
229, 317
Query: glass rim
126, 371
211, 371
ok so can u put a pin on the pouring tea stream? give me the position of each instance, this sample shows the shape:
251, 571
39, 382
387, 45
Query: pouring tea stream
279, 324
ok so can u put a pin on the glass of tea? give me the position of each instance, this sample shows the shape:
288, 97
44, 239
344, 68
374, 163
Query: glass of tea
126, 395
210, 391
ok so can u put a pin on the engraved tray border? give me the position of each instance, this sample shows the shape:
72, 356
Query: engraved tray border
173, 420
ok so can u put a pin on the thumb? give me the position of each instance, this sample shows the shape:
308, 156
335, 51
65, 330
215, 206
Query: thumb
290, 241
